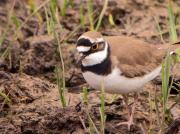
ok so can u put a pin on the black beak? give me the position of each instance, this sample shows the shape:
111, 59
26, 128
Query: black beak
81, 56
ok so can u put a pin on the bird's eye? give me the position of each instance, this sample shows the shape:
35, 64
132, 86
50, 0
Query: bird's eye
95, 47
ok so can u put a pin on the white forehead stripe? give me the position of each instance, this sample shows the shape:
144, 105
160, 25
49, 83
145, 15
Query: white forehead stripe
83, 48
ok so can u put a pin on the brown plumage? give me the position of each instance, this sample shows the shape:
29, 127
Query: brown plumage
134, 57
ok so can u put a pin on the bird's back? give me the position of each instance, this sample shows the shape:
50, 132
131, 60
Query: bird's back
135, 57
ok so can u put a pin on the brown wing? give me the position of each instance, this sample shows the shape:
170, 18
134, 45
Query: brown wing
134, 57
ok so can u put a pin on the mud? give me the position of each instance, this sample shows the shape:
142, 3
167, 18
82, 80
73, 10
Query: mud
27, 74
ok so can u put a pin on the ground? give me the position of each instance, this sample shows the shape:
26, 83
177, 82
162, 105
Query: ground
28, 78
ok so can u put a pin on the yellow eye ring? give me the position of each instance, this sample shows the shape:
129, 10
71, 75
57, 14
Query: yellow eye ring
95, 47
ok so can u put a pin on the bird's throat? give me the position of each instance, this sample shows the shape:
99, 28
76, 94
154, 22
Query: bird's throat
103, 68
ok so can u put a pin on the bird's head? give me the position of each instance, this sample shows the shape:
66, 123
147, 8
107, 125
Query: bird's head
92, 48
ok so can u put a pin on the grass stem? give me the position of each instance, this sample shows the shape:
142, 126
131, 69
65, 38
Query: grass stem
101, 15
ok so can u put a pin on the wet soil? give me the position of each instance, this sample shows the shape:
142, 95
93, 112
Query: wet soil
28, 78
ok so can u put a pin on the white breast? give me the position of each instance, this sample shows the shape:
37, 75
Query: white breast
116, 83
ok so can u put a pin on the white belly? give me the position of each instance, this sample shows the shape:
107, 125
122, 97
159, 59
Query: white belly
116, 83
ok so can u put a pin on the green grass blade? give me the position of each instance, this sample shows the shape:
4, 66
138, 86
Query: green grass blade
64, 7
101, 15
53, 8
172, 26
111, 20
165, 79
16, 21
6, 98
178, 55
85, 95
159, 30
102, 110
90, 14
82, 17
3, 36
60, 87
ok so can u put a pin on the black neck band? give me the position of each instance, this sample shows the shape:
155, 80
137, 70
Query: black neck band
103, 68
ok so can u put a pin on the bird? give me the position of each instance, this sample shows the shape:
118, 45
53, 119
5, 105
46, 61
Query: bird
123, 64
